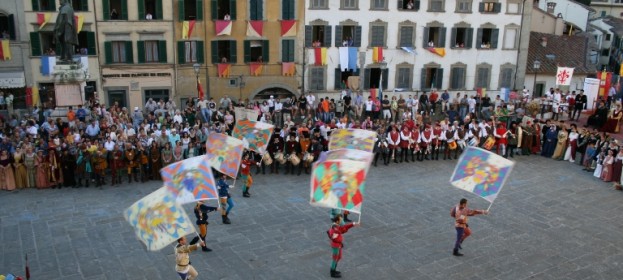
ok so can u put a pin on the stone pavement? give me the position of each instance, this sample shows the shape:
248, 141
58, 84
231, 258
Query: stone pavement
551, 221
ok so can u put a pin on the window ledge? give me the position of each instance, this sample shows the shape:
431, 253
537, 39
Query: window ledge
436, 11
489, 13
507, 13
512, 49
349, 9
486, 49
383, 9
463, 12
313, 8
408, 10
459, 48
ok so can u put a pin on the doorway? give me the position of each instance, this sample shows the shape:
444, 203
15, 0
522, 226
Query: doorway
119, 96
538, 91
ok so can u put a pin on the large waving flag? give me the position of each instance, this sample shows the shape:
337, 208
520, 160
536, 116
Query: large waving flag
254, 135
256, 68
79, 21
358, 139
224, 153
158, 220
338, 179
320, 55
255, 28
43, 19
187, 28
377, 54
289, 68
438, 51
481, 172
223, 27
288, 28
190, 180
5, 50
223, 70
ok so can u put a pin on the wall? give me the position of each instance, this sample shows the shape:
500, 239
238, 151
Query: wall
571, 11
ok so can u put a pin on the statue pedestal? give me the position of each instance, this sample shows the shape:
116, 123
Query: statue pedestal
69, 82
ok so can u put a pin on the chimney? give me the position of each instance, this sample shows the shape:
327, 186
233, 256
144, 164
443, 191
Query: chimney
544, 41
551, 7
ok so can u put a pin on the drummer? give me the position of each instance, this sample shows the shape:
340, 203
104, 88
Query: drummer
275, 147
305, 143
293, 149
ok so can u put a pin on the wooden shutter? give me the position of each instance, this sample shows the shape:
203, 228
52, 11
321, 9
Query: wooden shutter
35, 5
454, 78
385, 74
327, 36
12, 27
108, 52
497, 7
469, 38
199, 52
91, 43
357, 39
479, 38
232, 9
260, 9
214, 52
265, 51
129, 56
159, 15
84, 5
162, 51
180, 10
181, 52
285, 50
337, 84
287, 9
140, 49
247, 50
495, 34
423, 85
35, 44
141, 11
453, 38
400, 4
481, 7
105, 9
425, 37
253, 9
199, 12
417, 5
439, 78
233, 55
308, 35
442, 37
338, 36
366, 81
124, 9
214, 10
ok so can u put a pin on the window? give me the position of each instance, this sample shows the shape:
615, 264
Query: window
149, 9
434, 36
222, 9
408, 5
431, 77
349, 4
319, 4
256, 9
118, 52
189, 52
377, 35
372, 78
461, 37
317, 36
224, 51
7, 26
46, 41
457, 77
378, 5
153, 51
156, 95
341, 77
87, 44
317, 78
115, 9
483, 76
256, 51
464, 6
605, 52
510, 37
287, 9
608, 37
348, 35
403, 77
506, 77
191, 9
487, 7
80, 5
44, 5
287, 50
513, 7
406, 36
487, 38
436, 5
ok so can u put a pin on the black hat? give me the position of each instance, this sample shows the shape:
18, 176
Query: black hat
277, 129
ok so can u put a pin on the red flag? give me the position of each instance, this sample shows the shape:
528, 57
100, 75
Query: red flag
27, 269
373, 93
200, 90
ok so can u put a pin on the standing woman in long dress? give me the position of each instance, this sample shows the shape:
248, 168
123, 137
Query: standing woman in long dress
606, 172
155, 161
6, 171
21, 180
56, 177
167, 154
617, 165
573, 144
41, 161
561, 144
31, 167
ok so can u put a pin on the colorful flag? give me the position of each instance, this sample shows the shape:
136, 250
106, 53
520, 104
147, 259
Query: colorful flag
223, 27
190, 180
35, 96
43, 19
223, 70
358, 139
320, 56
564, 75
481, 172
338, 179
438, 51
224, 153
5, 50
288, 28
254, 135
480, 92
79, 21
158, 220
255, 28
288, 68
187, 28
256, 68
200, 90
377, 54
605, 78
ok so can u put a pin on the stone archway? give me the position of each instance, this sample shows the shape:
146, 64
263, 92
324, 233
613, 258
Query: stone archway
278, 90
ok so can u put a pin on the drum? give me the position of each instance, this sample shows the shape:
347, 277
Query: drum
308, 157
294, 159
452, 145
461, 143
489, 143
279, 157
473, 142
267, 159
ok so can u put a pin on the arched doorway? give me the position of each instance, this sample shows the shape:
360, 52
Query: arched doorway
276, 91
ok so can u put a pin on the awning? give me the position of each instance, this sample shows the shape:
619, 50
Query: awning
12, 80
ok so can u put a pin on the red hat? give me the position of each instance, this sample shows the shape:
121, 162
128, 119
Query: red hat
427, 125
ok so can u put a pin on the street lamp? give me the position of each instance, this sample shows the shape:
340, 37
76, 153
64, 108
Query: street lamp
197, 68
536, 66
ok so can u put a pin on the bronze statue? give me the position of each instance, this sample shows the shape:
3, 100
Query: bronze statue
65, 31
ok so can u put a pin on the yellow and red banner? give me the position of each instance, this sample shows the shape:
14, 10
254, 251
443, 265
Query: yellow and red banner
79, 21
320, 55
255, 28
223, 70
223, 27
605, 78
438, 51
5, 50
43, 19
377, 54
288, 68
187, 28
256, 68
288, 28
200, 90
481, 92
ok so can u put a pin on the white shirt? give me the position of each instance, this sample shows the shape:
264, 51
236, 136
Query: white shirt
310, 100
177, 118
109, 146
202, 104
369, 104
278, 106
271, 102
472, 103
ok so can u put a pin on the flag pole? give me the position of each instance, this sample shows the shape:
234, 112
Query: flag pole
489, 206
359, 219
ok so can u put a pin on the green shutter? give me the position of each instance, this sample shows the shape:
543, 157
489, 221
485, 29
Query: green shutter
495, 34
105, 9
181, 53
232, 9
308, 36
35, 5
439, 78
260, 9
253, 9
385, 74
180, 9
141, 9
337, 83
214, 51
442, 37
35, 44
233, 55
84, 5
425, 39
247, 51
108, 52
199, 13
327, 36
162, 51
214, 10
12, 27
265, 51
140, 50
159, 10
91, 43
338, 36
470, 37
479, 38
200, 54
423, 80
366, 81
129, 56
124, 9
287, 50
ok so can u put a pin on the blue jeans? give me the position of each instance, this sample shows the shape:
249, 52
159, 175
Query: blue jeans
230, 204
459, 236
